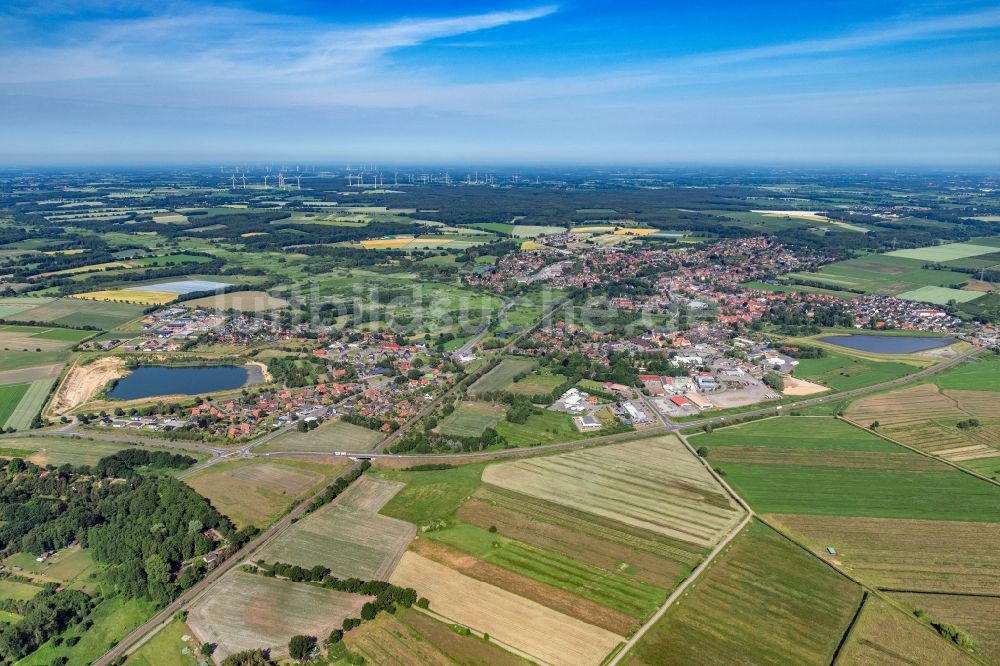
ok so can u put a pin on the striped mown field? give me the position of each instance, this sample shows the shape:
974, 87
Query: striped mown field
653, 484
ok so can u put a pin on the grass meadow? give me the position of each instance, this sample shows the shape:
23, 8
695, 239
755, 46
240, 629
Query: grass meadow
764, 600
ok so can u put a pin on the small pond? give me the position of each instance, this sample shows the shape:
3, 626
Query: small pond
887, 344
150, 381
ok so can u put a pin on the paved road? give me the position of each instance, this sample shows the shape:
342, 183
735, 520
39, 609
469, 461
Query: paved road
164, 615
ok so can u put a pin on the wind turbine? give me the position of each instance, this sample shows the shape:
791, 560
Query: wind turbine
234, 180
265, 180
244, 177
298, 180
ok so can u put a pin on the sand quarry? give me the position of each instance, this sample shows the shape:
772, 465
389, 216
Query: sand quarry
83, 382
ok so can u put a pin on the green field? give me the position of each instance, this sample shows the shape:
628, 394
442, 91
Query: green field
470, 419
843, 373
74, 312
433, 495
10, 397
70, 566
62, 450
940, 295
981, 375
10, 589
329, 437
544, 427
615, 590
166, 648
11, 359
498, 227
30, 404
112, 620
882, 274
537, 384
945, 252
821, 434
846, 481
764, 601
502, 375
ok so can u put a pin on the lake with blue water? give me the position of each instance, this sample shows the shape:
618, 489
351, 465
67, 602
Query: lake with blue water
887, 344
152, 380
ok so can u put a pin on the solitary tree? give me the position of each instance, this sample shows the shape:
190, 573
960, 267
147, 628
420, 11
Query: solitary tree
300, 646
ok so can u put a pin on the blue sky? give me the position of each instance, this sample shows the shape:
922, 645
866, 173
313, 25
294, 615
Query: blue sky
580, 81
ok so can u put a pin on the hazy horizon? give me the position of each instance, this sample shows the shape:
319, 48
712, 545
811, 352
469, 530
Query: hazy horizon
577, 83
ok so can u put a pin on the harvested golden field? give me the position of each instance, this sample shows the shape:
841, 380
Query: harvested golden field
347, 535
917, 403
925, 418
243, 611
129, 296
635, 231
412, 637
255, 492
913, 555
977, 616
886, 636
383, 243
521, 623
653, 484
369, 494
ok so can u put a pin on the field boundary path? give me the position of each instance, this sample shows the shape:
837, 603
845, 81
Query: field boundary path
926, 454
698, 570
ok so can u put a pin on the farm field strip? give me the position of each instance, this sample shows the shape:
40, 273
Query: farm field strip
524, 624
253, 491
611, 588
917, 555
246, 611
348, 536
590, 549
763, 600
883, 634
580, 522
946, 252
903, 487
411, 637
353, 543
330, 437
501, 376
30, 404
925, 418
653, 484
973, 614
557, 598
844, 459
